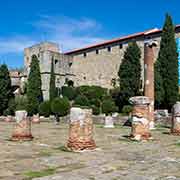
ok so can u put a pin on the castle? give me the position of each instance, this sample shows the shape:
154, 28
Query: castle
93, 65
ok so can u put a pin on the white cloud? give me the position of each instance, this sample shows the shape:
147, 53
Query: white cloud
14, 44
69, 33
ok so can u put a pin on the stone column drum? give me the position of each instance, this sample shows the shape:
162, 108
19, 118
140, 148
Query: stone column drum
149, 48
175, 128
81, 130
109, 122
36, 119
140, 123
22, 129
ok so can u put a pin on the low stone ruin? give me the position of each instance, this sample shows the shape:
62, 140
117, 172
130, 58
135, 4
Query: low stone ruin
175, 128
36, 119
109, 122
22, 129
140, 123
81, 130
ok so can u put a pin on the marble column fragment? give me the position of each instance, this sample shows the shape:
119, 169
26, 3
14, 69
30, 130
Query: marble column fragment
109, 122
140, 123
22, 129
175, 127
81, 130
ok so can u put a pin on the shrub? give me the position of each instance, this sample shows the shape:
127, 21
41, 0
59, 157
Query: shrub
126, 109
21, 103
108, 106
60, 106
92, 92
11, 107
69, 92
81, 100
45, 108
95, 109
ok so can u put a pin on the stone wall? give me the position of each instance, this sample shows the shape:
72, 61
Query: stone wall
93, 66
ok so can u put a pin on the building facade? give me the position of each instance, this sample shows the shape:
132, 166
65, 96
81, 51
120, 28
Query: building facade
93, 65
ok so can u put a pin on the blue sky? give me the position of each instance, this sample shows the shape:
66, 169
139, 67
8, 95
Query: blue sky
75, 23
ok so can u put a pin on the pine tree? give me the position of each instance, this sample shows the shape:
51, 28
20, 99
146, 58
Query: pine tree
168, 65
130, 74
5, 88
34, 93
52, 86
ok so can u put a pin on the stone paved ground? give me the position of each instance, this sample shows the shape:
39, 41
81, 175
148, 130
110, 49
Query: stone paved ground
116, 157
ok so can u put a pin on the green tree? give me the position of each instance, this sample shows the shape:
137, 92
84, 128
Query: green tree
52, 86
34, 93
5, 88
129, 74
167, 66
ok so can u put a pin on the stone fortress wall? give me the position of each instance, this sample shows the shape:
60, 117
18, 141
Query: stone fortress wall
95, 65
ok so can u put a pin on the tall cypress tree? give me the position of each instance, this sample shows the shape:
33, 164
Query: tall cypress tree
130, 74
52, 86
5, 88
168, 65
34, 93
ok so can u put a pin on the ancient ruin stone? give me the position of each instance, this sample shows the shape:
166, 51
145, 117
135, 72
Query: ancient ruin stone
22, 129
109, 122
36, 118
81, 130
8, 119
175, 128
140, 122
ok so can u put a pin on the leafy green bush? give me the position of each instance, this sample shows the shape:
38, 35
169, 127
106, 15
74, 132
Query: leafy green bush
108, 106
126, 109
11, 108
60, 106
21, 103
69, 92
92, 92
81, 100
95, 109
45, 108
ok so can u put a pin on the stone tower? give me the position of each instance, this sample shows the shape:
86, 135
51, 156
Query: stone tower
45, 52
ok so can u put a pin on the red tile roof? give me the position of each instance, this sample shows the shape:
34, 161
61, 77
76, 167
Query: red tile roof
140, 34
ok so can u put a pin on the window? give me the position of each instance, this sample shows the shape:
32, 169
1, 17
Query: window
70, 64
97, 51
85, 54
38, 55
109, 49
120, 46
56, 61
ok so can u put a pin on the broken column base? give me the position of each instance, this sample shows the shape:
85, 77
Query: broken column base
109, 123
175, 129
81, 145
140, 132
81, 130
22, 131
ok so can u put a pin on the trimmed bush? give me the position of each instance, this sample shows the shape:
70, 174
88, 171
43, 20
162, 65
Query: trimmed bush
60, 106
69, 92
45, 108
21, 103
108, 106
95, 109
81, 100
11, 108
92, 92
126, 109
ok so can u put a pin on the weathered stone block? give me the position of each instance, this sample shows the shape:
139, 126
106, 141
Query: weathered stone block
81, 130
22, 129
